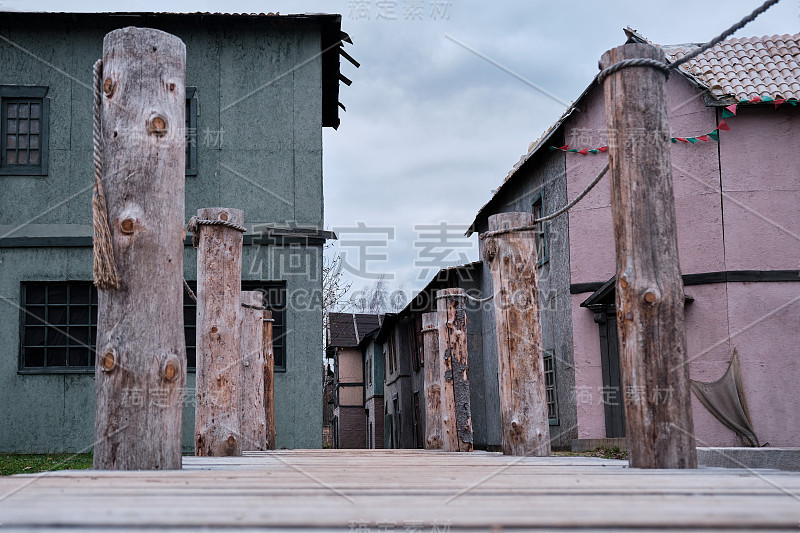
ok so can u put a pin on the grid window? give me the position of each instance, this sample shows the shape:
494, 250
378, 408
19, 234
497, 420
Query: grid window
540, 234
23, 139
550, 387
59, 326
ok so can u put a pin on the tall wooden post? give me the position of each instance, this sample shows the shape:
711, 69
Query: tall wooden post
254, 425
649, 287
523, 401
140, 374
218, 428
456, 410
433, 383
269, 382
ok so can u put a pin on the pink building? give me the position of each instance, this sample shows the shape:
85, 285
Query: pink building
737, 198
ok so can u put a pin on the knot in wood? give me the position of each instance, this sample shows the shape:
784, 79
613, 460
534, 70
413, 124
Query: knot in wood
109, 361
127, 226
651, 296
109, 87
157, 125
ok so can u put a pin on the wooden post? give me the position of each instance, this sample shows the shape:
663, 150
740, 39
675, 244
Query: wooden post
523, 401
254, 426
269, 382
433, 385
649, 287
140, 372
218, 428
456, 410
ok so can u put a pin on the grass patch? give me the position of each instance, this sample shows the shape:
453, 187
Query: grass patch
603, 453
15, 463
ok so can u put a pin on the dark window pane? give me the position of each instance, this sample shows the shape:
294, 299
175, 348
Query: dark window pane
91, 357
23, 111
22, 158
35, 126
57, 294
34, 294
56, 357
80, 294
11, 126
34, 336
34, 357
33, 157
11, 157
79, 336
36, 110
11, 141
11, 110
23, 141
94, 314
35, 315
78, 356
57, 314
189, 316
79, 315
23, 126
33, 141
56, 337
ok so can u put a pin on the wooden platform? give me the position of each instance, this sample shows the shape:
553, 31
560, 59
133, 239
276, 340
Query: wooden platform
402, 491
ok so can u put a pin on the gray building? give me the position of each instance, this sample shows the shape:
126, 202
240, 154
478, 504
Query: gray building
260, 88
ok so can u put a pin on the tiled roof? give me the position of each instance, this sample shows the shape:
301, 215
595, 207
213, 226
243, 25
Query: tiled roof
347, 330
746, 67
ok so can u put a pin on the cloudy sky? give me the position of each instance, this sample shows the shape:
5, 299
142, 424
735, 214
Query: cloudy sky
431, 128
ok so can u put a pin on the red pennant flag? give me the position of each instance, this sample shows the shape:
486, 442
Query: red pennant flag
779, 101
755, 99
584, 151
723, 126
703, 137
682, 139
603, 148
731, 108
563, 147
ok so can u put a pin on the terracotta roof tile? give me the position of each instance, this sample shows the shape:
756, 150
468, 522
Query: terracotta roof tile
747, 66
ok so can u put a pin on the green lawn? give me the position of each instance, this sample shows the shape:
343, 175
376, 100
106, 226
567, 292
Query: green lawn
12, 463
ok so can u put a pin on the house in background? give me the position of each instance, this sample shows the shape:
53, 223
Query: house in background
736, 203
260, 88
372, 355
345, 335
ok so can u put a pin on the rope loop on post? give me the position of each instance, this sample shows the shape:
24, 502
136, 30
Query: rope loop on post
194, 227
635, 62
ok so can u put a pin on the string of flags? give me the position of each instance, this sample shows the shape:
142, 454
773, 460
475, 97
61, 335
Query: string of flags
727, 112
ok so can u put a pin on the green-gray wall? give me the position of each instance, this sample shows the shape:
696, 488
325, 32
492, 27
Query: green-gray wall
269, 164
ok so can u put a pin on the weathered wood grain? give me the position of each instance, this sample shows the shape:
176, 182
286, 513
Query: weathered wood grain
218, 429
650, 298
456, 409
254, 425
433, 383
140, 371
269, 382
513, 262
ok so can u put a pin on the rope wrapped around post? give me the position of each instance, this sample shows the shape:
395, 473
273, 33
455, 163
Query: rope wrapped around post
194, 227
105, 267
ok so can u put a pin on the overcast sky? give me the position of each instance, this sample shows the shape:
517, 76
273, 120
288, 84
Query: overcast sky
430, 127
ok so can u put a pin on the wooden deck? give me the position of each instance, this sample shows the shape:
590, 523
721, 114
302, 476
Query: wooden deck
402, 491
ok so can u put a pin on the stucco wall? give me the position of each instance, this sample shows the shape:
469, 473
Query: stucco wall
264, 155
736, 208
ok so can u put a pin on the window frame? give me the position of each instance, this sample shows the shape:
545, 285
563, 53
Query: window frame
28, 92
550, 354
542, 232
191, 118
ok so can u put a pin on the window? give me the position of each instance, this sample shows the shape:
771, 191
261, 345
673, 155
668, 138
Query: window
541, 233
24, 126
59, 325
191, 131
550, 387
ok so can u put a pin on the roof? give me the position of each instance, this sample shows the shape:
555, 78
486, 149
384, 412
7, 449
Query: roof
332, 40
347, 330
733, 70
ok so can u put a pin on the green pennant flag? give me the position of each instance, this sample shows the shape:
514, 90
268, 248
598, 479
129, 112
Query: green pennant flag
744, 101
573, 150
792, 101
593, 151
691, 139
714, 135
726, 113
553, 148
673, 139
767, 99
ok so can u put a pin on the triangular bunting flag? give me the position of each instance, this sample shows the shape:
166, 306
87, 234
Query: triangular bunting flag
563, 147
573, 150
767, 99
744, 101
682, 139
553, 148
691, 139
584, 151
605, 148
703, 138
755, 100
723, 126
792, 101
673, 139
593, 151
779, 101
729, 111
714, 135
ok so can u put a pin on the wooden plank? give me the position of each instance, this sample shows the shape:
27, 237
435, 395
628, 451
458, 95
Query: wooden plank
254, 424
456, 410
140, 374
219, 365
525, 423
269, 381
650, 298
433, 383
